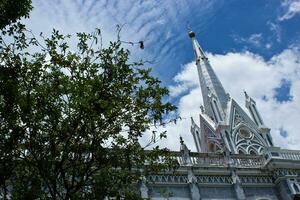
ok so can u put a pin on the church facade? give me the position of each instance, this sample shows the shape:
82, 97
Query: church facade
235, 157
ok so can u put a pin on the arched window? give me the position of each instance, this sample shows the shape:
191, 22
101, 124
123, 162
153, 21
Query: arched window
218, 112
214, 113
252, 152
241, 152
211, 147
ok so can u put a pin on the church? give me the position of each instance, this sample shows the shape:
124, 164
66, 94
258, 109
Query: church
235, 159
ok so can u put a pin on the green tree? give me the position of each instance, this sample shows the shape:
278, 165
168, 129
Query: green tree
71, 118
12, 10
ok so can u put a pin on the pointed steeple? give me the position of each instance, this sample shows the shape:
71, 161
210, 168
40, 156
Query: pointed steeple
214, 96
251, 105
223, 123
198, 50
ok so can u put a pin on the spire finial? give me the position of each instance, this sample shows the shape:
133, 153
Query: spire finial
192, 34
181, 140
246, 95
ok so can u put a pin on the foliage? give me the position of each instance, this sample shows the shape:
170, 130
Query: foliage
71, 117
12, 10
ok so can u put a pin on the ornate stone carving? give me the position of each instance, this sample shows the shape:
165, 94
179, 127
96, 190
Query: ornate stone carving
238, 119
214, 179
286, 172
167, 179
186, 160
256, 180
237, 186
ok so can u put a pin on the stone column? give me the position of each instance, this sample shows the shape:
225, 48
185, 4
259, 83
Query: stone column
239, 191
192, 181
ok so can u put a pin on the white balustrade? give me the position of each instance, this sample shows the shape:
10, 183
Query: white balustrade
234, 160
220, 160
289, 154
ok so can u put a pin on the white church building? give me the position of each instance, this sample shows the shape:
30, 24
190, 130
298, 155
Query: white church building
235, 157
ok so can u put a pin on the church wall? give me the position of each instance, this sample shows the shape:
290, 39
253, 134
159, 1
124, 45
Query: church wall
174, 192
284, 191
225, 193
219, 192
256, 193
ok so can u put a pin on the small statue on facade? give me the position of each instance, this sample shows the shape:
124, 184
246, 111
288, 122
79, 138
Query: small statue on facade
185, 152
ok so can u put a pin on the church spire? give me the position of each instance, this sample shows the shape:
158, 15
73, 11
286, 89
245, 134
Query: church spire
198, 50
224, 125
214, 96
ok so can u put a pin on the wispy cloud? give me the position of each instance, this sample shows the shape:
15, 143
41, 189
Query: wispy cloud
186, 79
162, 24
291, 7
255, 40
276, 30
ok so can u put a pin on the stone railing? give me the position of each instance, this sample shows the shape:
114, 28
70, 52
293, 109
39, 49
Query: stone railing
247, 161
207, 159
290, 154
218, 160
233, 160
283, 154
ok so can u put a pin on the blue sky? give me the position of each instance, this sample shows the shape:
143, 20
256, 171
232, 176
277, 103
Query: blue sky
252, 45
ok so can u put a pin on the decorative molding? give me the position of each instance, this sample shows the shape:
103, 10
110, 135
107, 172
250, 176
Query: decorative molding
256, 180
214, 179
182, 179
279, 173
174, 179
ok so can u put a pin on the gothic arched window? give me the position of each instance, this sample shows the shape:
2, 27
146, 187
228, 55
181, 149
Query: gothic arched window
211, 147
241, 152
252, 152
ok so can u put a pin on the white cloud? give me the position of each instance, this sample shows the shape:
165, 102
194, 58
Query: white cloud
143, 20
292, 7
276, 30
268, 45
255, 39
185, 79
188, 107
250, 72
